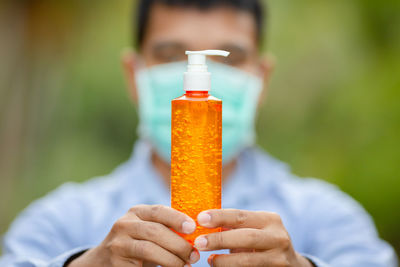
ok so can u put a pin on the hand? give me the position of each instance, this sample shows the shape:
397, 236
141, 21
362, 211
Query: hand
254, 239
143, 237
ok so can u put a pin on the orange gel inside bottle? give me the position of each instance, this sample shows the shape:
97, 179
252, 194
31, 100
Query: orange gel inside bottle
196, 156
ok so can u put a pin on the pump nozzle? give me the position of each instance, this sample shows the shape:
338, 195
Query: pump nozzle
199, 57
197, 78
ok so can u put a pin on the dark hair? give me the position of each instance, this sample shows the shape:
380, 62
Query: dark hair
255, 7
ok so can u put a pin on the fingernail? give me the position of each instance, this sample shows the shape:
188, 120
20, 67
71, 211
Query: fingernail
210, 260
194, 257
201, 242
187, 265
188, 227
204, 218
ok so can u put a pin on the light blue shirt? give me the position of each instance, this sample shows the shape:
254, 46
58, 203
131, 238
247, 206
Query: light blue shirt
324, 224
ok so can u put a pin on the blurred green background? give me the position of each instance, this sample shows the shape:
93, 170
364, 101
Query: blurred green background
332, 111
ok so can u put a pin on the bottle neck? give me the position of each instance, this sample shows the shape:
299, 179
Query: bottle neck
199, 94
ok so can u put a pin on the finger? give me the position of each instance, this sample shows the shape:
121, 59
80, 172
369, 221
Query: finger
238, 250
245, 238
126, 262
164, 237
231, 218
178, 221
243, 259
148, 251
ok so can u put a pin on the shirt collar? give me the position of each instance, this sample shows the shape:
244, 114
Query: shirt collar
253, 176
141, 180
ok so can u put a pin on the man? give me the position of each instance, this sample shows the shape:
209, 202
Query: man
274, 218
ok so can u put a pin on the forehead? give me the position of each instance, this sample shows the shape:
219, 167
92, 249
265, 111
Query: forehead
198, 29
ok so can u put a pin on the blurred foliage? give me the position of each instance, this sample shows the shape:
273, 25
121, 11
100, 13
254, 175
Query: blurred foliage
332, 110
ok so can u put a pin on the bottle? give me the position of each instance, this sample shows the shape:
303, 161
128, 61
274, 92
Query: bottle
196, 143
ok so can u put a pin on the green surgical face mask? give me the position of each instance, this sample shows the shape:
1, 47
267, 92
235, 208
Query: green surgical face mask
239, 91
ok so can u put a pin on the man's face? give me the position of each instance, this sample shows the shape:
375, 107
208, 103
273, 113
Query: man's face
173, 30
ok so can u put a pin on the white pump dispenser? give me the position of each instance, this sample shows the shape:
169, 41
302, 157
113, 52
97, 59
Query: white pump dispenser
197, 78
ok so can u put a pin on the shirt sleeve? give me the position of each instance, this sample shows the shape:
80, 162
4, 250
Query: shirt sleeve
315, 261
59, 261
45, 234
341, 233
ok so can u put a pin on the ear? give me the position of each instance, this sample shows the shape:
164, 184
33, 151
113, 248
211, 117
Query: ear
266, 68
129, 61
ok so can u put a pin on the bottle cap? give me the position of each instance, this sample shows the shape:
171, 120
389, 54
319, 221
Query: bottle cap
197, 77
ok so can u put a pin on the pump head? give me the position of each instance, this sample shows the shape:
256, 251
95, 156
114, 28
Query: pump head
197, 78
